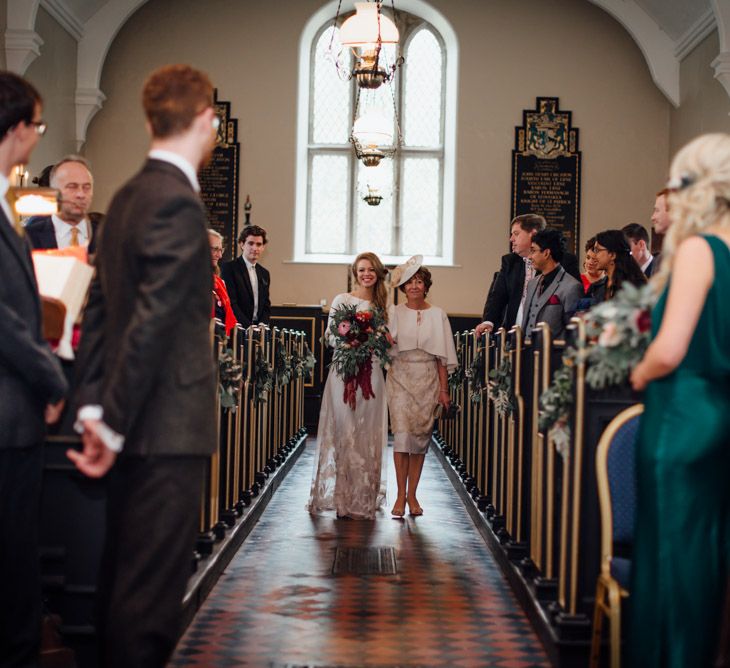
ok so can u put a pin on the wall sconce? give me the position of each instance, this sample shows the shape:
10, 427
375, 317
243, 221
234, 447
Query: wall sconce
373, 198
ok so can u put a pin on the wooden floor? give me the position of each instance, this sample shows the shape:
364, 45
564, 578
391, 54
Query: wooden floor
279, 605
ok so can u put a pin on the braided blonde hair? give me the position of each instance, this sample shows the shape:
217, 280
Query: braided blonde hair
700, 194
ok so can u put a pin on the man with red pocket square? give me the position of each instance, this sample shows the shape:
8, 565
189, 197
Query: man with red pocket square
553, 295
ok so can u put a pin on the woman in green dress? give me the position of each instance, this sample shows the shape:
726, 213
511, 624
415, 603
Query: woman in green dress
682, 538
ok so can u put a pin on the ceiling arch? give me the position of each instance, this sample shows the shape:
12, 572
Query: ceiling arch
106, 17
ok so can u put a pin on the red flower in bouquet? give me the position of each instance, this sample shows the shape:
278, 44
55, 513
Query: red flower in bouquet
360, 336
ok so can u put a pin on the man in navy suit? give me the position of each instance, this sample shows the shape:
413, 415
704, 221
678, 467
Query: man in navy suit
32, 387
639, 241
506, 297
247, 281
72, 177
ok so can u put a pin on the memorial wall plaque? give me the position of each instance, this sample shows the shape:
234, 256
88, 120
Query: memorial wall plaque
546, 168
219, 179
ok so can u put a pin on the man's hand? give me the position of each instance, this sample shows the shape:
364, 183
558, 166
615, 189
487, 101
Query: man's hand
53, 411
95, 459
483, 327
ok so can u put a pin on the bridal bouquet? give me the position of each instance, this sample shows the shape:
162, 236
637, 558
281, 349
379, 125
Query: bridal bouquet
359, 336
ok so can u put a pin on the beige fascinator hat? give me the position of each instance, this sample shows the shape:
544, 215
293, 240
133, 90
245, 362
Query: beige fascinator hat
403, 272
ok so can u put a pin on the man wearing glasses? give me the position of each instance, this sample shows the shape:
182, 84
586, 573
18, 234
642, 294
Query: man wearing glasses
32, 387
147, 384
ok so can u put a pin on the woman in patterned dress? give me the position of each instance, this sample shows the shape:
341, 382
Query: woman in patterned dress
417, 379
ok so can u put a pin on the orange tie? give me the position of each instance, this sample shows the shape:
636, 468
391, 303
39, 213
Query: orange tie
74, 236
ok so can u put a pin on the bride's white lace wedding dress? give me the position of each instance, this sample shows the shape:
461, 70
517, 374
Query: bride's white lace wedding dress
348, 467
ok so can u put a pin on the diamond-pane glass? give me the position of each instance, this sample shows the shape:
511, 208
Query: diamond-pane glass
331, 96
423, 91
328, 209
374, 224
421, 210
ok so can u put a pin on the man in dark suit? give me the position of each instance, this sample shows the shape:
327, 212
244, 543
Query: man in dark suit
247, 281
147, 377
72, 177
32, 387
553, 295
639, 241
506, 296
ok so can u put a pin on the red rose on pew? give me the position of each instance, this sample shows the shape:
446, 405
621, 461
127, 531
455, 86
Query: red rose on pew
554, 301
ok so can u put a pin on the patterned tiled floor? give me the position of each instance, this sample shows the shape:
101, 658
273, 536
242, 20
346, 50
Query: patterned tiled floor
279, 606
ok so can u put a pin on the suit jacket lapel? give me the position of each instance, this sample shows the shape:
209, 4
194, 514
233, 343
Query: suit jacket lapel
246, 278
50, 234
550, 291
531, 294
18, 246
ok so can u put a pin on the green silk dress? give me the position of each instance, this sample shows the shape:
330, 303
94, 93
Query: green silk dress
682, 538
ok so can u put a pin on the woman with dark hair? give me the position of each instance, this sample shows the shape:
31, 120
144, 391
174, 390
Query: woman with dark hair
418, 377
351, 442
591, 272
613, 254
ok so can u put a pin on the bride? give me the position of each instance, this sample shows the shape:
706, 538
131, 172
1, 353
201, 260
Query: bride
351, 443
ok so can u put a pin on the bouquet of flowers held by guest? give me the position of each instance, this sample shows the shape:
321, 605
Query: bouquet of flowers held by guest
621, 330
359, 336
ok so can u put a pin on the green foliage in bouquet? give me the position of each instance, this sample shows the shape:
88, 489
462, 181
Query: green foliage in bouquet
282, 368
263, 378
308, 362
621, 329
230, 374
475, 375
500, 388
618, 333
360, 335
557, 400
458, 375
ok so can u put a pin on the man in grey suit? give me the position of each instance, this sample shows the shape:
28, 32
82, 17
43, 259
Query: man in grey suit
147, 377
32, 387
553, 296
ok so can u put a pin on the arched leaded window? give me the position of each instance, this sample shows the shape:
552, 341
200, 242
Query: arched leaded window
333, 222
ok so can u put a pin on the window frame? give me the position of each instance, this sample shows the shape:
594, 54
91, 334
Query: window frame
433, 21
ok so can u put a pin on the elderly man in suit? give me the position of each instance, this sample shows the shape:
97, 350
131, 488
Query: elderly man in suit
147, 376
553, 295
32, 387
247, 281
71, 226
504, 306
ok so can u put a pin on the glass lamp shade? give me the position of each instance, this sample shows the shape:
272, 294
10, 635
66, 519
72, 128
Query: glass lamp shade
372, 129
361, 30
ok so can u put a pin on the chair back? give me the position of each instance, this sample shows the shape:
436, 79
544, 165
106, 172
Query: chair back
615, 473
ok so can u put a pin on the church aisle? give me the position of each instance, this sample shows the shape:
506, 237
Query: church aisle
278, 605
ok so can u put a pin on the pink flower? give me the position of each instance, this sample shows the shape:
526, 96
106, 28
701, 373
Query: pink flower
343, 328
610, 336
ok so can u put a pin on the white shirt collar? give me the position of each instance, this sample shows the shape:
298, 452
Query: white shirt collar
647, 263
181, 163
249, 266
63, 231
4, 186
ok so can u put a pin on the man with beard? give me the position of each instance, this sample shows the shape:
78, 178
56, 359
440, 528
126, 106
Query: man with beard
147, 376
